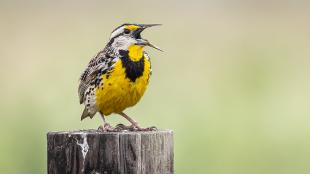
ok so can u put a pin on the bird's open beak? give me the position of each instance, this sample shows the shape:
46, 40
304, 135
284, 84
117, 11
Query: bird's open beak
144, 41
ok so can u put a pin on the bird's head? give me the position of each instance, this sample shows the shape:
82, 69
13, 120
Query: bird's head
128, 35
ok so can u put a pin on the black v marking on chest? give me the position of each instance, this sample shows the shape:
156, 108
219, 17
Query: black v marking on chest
133, 69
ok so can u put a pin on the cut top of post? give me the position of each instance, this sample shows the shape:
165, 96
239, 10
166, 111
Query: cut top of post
98, 132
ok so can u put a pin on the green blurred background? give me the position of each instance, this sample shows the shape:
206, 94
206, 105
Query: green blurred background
233, 82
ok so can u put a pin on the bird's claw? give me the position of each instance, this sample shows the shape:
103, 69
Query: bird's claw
106, 128
122, 127
152, 128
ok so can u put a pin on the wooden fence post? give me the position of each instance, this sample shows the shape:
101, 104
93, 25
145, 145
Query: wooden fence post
95, 152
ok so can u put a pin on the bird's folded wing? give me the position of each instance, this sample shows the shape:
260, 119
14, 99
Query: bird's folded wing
88, 77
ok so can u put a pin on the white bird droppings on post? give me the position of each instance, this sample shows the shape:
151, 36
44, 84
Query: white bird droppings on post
84, 146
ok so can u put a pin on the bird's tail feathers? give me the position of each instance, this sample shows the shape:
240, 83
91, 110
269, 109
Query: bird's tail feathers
86, 114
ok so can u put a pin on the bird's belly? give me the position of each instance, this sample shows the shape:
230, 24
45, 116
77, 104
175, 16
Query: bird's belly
118, 92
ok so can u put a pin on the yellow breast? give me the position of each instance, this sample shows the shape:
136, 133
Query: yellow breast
121, 90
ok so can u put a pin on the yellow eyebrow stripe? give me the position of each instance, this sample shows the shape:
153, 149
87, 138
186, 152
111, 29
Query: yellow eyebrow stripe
132, 27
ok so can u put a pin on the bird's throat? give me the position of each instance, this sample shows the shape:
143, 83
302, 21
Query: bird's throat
135, 52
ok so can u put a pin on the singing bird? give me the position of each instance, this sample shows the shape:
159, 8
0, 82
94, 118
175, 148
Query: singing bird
117, 77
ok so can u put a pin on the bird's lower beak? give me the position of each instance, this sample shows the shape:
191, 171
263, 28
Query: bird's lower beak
144, 41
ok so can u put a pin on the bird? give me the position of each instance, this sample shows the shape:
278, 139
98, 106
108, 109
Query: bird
117, 76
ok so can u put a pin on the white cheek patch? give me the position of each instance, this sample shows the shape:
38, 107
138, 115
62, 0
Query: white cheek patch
122, 43
118, 43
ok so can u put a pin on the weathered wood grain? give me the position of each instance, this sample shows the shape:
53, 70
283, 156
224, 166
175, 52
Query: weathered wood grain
95, 152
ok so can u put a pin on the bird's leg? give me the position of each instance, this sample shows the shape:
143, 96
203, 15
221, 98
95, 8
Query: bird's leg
132, 121
106, 127
134, 125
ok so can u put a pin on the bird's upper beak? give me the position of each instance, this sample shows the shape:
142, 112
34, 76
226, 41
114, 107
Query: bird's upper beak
149, 25
142, 41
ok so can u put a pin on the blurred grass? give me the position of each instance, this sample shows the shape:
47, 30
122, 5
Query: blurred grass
233, 82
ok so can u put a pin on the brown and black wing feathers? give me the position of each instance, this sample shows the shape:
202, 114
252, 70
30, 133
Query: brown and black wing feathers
99, 65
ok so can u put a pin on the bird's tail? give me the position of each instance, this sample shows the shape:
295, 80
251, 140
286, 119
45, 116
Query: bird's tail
86, 114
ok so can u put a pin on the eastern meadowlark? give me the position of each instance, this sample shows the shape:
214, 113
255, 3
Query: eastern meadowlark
117, 77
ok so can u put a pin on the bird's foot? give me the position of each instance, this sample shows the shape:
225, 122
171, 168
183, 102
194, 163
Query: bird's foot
152, 128
134, 127
122, 127
106, 127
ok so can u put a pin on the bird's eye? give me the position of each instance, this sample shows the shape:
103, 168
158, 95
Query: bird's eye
126, 31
